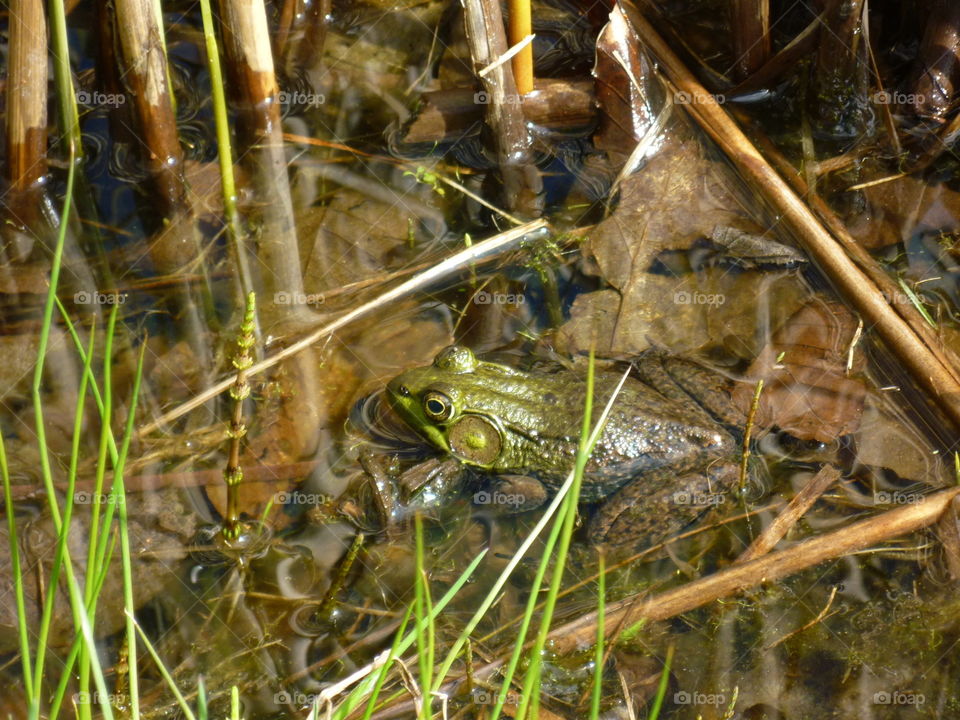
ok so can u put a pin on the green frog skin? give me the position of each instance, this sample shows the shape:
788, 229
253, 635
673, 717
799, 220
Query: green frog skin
667, 438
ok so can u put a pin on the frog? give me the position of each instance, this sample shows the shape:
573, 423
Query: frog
666, 453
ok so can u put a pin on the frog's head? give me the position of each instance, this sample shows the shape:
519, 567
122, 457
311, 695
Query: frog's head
449, 404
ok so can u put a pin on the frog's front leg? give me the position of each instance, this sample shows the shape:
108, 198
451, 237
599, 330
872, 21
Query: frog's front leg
511, 494
393, 496
658, 504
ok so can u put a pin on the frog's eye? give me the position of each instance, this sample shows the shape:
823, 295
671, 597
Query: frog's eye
437, 406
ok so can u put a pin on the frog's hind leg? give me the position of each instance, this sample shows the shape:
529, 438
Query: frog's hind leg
659, 504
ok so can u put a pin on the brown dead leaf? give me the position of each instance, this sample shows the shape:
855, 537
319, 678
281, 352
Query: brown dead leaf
349, 239
678, 198
624, 87
887, 441
807, 392
894, 212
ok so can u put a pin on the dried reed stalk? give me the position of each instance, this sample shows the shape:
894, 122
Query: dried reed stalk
488, 43
253, 85
750, 25
26, 112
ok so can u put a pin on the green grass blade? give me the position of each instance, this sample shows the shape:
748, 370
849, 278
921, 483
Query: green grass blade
424, 627
597, 694
94, 388
181, 701
62, 525
528, 614
661, 686
96, 534
125, 554
22, 627
364, 687
385, 668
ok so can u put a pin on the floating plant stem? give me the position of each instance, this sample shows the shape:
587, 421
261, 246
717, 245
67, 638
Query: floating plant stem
233, 474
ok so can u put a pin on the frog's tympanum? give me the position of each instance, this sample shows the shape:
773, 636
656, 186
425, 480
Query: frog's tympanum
665, 454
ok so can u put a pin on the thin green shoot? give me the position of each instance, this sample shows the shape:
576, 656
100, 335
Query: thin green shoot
530, 609
78, 611
917, 303
66, 674
425, 630
364, 686
125, 554
63, 76
661, 686
731, 708
94, 387
234, 703
181, 701
601, 635
94, 534
385, 668
224, 152
201, 700
101, 565
62, 525
265, 514
22, 627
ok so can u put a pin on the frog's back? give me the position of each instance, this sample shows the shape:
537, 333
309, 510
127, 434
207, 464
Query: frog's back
645, 431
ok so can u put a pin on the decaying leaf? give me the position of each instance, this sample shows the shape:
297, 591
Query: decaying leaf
625, 87
349, 239
679, 197
807, 390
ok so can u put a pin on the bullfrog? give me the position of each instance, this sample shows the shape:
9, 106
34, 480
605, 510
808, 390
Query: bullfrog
666, 453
